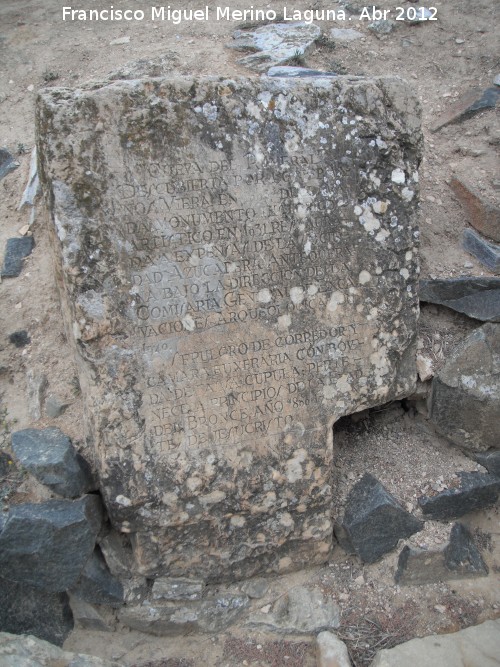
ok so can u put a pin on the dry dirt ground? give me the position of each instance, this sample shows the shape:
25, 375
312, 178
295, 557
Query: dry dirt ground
441, 60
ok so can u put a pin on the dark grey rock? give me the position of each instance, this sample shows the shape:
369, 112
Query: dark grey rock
287, 71
49, 455
303, 610
467, 105
7, 163
465, 395
15, 252
462, 557
6, 464
458, 559
30, 611
54, 406
20, 338
476, 491
47, 545
180, 588
170, 619
96, 583
374, 521
484, 251
490, 460
475, 297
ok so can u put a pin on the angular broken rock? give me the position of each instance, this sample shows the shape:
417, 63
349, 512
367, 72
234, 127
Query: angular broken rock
16, 250
331, 651
47, 545
96, 584
484, 251
476, 297
459, 559
7, 163
490, 460
170, 619
25, 610
483, 216
374, 521
465, 398
302, 610
467, 105
274, 44
233, 308
49, 455
18, 651
287, 71
476, 491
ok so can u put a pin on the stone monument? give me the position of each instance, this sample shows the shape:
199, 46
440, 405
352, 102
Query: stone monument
238, 268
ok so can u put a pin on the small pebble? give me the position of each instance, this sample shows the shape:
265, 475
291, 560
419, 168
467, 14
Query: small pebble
496, 80
468, 265
459, 40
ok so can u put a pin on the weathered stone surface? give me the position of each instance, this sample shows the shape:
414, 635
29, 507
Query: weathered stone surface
294, 72
274, 44
331, 651
476, 491
16, 250
303, 610
255, 588
54, 406
33, 184
31, 611
487, 253
458, 559
475, 297
47, 545
240, 270
374, 521
467, 105
170, 619
482, 215
478, 646
32, 652
182, 588
465, 399
490, 460
49, 455
96, 584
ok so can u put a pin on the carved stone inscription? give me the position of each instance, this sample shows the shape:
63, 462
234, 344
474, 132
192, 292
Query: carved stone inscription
240, 270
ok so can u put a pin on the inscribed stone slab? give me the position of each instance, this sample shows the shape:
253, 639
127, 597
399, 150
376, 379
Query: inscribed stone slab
239, 270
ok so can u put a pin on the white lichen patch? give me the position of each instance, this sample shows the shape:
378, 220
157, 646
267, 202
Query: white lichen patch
404, 273
381, 236
297, 295
407, 194
238, 521
123, 501
398, 176
284, 321
212, 498
312, 290
329, 391
368, 220
364, 277
307, 247
335, 300
380, 207
188, 323
294, 465
264, 295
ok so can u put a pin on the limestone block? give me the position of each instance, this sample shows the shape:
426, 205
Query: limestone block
239, 269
